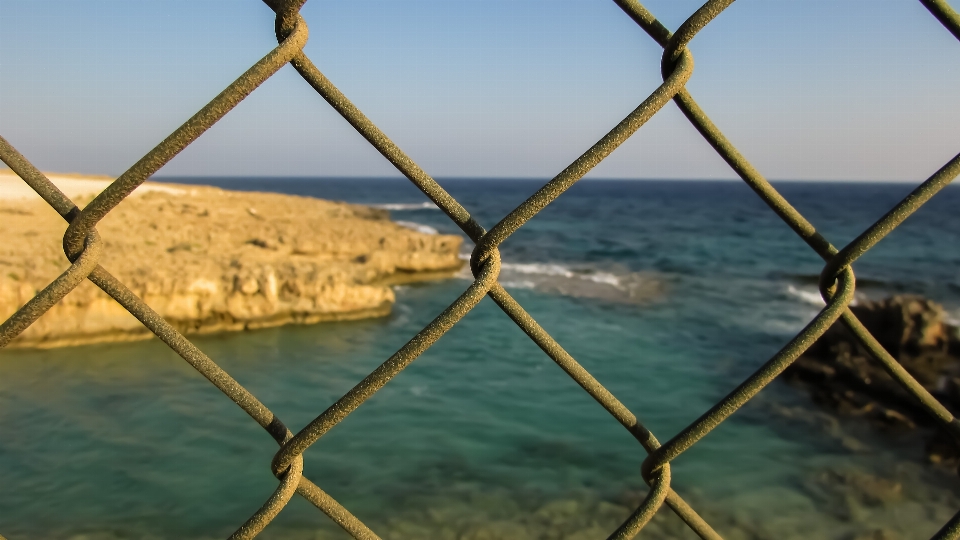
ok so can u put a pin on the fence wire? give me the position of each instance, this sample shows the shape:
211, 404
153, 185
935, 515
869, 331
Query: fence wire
83, 247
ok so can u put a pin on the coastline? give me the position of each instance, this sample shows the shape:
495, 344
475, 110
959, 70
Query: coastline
211, 260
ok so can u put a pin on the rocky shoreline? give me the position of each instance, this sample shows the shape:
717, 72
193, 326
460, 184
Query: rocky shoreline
210, 260
844, 379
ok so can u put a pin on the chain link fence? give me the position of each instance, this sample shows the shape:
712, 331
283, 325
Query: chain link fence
83, 247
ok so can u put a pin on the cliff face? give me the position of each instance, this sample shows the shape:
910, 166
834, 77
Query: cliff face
210, 260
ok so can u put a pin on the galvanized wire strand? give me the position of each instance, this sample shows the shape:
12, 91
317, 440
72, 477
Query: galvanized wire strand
950, 531
659, 488
947, 16
55, 291
149, 318
289, 481
642, 16
898, 372
690, 516
835, 261
334, 510
689, 29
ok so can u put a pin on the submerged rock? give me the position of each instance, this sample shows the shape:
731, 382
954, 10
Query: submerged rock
211, 260
843, 377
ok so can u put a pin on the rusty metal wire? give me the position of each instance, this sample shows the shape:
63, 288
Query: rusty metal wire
83, 248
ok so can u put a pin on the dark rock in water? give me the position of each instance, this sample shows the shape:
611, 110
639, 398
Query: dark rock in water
843, 377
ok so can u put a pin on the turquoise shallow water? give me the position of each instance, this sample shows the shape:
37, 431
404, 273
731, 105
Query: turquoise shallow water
669, 293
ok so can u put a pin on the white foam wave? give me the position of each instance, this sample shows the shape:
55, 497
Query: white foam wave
603, 278
809, 297
538, 268
581, 281
545, 270
399, 207
518, 284
419, 227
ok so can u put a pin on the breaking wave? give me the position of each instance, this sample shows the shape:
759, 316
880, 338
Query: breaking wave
616, 285
811, 297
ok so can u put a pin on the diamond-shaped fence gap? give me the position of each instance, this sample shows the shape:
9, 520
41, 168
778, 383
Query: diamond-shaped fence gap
633, 373
759, 77
862, 211
770, 284
478, 116
176, 440
104, 101
284, 116
667, 135
317, 365
479, 429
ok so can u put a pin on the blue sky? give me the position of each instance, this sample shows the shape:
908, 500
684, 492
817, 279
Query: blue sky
807, 89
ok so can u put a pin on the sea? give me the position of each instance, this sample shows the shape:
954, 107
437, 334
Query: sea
669, 292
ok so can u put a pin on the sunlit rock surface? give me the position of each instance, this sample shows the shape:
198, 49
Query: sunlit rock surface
210, 260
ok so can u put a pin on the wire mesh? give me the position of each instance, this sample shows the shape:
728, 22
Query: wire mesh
83, 247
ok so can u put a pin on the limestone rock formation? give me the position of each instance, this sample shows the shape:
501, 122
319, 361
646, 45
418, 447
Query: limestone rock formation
842, 376
210, 260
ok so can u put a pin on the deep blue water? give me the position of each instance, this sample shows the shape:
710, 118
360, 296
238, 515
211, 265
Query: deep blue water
670, 293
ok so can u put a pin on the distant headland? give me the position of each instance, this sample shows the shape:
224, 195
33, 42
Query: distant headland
211, 260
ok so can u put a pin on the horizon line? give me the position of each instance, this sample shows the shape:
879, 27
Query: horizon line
174, 178
182, 177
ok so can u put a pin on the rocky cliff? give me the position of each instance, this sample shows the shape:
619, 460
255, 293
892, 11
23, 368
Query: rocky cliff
210, 260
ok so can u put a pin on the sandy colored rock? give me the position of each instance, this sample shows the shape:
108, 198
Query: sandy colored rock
210, 260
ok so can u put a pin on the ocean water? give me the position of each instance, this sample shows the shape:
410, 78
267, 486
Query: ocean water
670, 293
